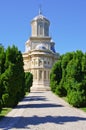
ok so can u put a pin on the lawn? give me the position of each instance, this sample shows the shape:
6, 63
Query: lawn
4, 112
84, 109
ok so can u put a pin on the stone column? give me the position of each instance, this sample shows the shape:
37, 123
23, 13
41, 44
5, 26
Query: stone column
46, 75
42, 75
37, 75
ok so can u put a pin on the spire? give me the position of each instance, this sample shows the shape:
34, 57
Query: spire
40, 11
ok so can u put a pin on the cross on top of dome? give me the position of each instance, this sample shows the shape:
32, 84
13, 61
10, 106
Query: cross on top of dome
40, 10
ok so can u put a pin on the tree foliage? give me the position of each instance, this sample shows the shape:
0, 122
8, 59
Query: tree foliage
72, 81
55, 75
13, 79
2, 69
28, 81
14, 82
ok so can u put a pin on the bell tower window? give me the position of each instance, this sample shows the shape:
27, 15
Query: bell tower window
46, 30
40, 28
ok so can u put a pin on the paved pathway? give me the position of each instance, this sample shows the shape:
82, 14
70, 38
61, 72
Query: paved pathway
44, 111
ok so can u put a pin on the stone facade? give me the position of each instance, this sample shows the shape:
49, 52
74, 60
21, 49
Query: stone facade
39, 55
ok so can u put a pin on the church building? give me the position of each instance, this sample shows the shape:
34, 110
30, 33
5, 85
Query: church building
39, 55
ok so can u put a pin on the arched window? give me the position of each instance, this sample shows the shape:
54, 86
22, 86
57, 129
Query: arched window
46, 29
40, 28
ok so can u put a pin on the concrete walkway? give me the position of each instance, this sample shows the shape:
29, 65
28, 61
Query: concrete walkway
44, 111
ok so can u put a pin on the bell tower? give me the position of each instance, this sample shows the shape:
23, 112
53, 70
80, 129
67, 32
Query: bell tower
40, 26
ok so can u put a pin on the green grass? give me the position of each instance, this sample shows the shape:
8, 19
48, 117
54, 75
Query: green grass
4, 112
84, 109
26, 93
66, 100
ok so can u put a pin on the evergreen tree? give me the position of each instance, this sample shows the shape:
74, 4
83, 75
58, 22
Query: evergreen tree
2, 69
28, 81
55, 75
13, 78
68, 78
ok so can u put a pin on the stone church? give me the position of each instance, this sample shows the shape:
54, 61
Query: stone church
39, 55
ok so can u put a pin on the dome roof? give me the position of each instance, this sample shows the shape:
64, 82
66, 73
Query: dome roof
53, 49
40, 16
40, 47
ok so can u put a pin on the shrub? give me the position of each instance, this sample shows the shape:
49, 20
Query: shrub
9, 101
76, 99
0, 104
53, 83
28, 81
68, 78
60, 90
55, 75
5, 99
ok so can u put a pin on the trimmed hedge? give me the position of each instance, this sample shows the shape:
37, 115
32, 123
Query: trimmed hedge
68, 78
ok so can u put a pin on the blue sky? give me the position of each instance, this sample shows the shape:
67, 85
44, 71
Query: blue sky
67, 17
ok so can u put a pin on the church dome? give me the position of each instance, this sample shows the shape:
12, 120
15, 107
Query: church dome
40, 47
40, 17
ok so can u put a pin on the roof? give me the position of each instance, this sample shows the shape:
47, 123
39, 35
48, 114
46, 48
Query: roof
40, 16
40, 47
